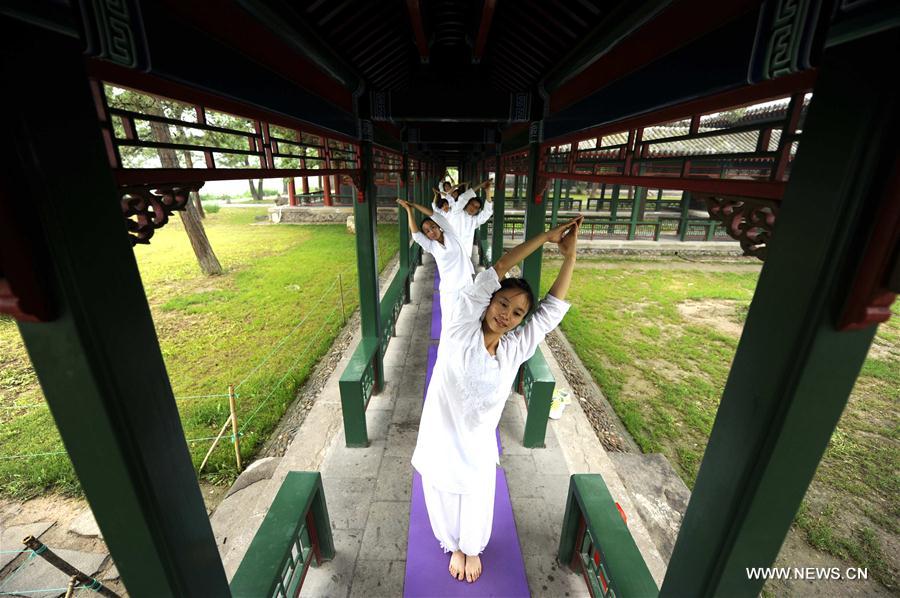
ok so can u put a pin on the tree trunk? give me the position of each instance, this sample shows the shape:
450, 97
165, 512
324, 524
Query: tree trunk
256, 189
208, 261
195, 197
209, 264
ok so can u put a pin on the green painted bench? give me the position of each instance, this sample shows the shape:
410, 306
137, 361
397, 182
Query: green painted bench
356, 385
596, 542
536, 384
296, 530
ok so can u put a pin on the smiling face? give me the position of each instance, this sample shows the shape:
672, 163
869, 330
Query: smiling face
433, 231
473, 207
447, 187
507, 309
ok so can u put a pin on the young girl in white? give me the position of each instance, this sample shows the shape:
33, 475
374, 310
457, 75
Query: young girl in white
438, 238
478, 357
465, 217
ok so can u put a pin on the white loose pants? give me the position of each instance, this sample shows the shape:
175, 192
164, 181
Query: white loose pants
448, 305
461, 521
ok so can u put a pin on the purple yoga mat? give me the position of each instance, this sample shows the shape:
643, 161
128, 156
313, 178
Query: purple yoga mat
436, 316
426, 564
437, 279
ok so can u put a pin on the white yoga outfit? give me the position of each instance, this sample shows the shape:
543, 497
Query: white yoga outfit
453, 265
456, 450
463, 223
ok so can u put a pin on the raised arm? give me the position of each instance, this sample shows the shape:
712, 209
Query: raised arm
410, 219
529, 246
414, 206
567, 249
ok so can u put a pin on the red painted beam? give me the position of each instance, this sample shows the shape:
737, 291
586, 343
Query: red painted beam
487, 15
415, 19
675, 26
161, 176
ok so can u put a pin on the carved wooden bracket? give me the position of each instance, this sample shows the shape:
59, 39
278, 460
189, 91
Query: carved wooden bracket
358, 182
148, 208
750, 221
540, 187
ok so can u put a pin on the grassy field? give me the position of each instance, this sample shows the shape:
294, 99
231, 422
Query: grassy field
261, 327
660, 341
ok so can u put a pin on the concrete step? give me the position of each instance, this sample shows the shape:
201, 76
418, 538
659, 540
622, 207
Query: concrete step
657, 493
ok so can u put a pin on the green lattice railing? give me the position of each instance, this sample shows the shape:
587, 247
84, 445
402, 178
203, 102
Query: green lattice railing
295, 532
596, 542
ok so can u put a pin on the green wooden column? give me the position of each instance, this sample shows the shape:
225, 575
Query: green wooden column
535, 210
402, 222
793, 371
499, 210
484, 250
99, 361
685, 215
614, 207
557, 188
364, 215
637, 210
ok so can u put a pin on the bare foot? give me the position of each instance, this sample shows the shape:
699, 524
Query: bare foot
473, 568
458, 564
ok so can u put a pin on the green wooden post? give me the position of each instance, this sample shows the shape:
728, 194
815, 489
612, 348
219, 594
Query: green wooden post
484, 249
637, 210
771, 431
557, 188
99, 361
403, 224
685, 215
499, 210
365, 212
535, 211
614, 207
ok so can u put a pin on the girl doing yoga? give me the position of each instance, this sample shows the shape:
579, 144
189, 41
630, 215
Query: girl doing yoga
478, 357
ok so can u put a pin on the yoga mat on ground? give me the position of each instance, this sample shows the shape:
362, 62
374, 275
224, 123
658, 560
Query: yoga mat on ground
503, 567
437, 279
436, 316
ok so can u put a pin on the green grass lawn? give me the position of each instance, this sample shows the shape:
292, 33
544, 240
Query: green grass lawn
240, 328
659, 343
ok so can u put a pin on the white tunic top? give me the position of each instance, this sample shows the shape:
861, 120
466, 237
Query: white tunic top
465, 224
454, 266
456, 448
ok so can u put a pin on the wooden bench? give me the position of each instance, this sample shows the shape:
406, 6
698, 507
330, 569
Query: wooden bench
536, 383
596, 542
295, 531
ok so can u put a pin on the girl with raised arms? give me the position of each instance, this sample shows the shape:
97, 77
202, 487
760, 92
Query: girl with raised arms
439, 239
478, 357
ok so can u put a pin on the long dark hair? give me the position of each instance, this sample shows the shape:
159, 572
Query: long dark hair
522, 285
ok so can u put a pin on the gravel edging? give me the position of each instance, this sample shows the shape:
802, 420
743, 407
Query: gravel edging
609, 429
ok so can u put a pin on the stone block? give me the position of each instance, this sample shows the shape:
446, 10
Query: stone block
386, 531
378, 579
11, 538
